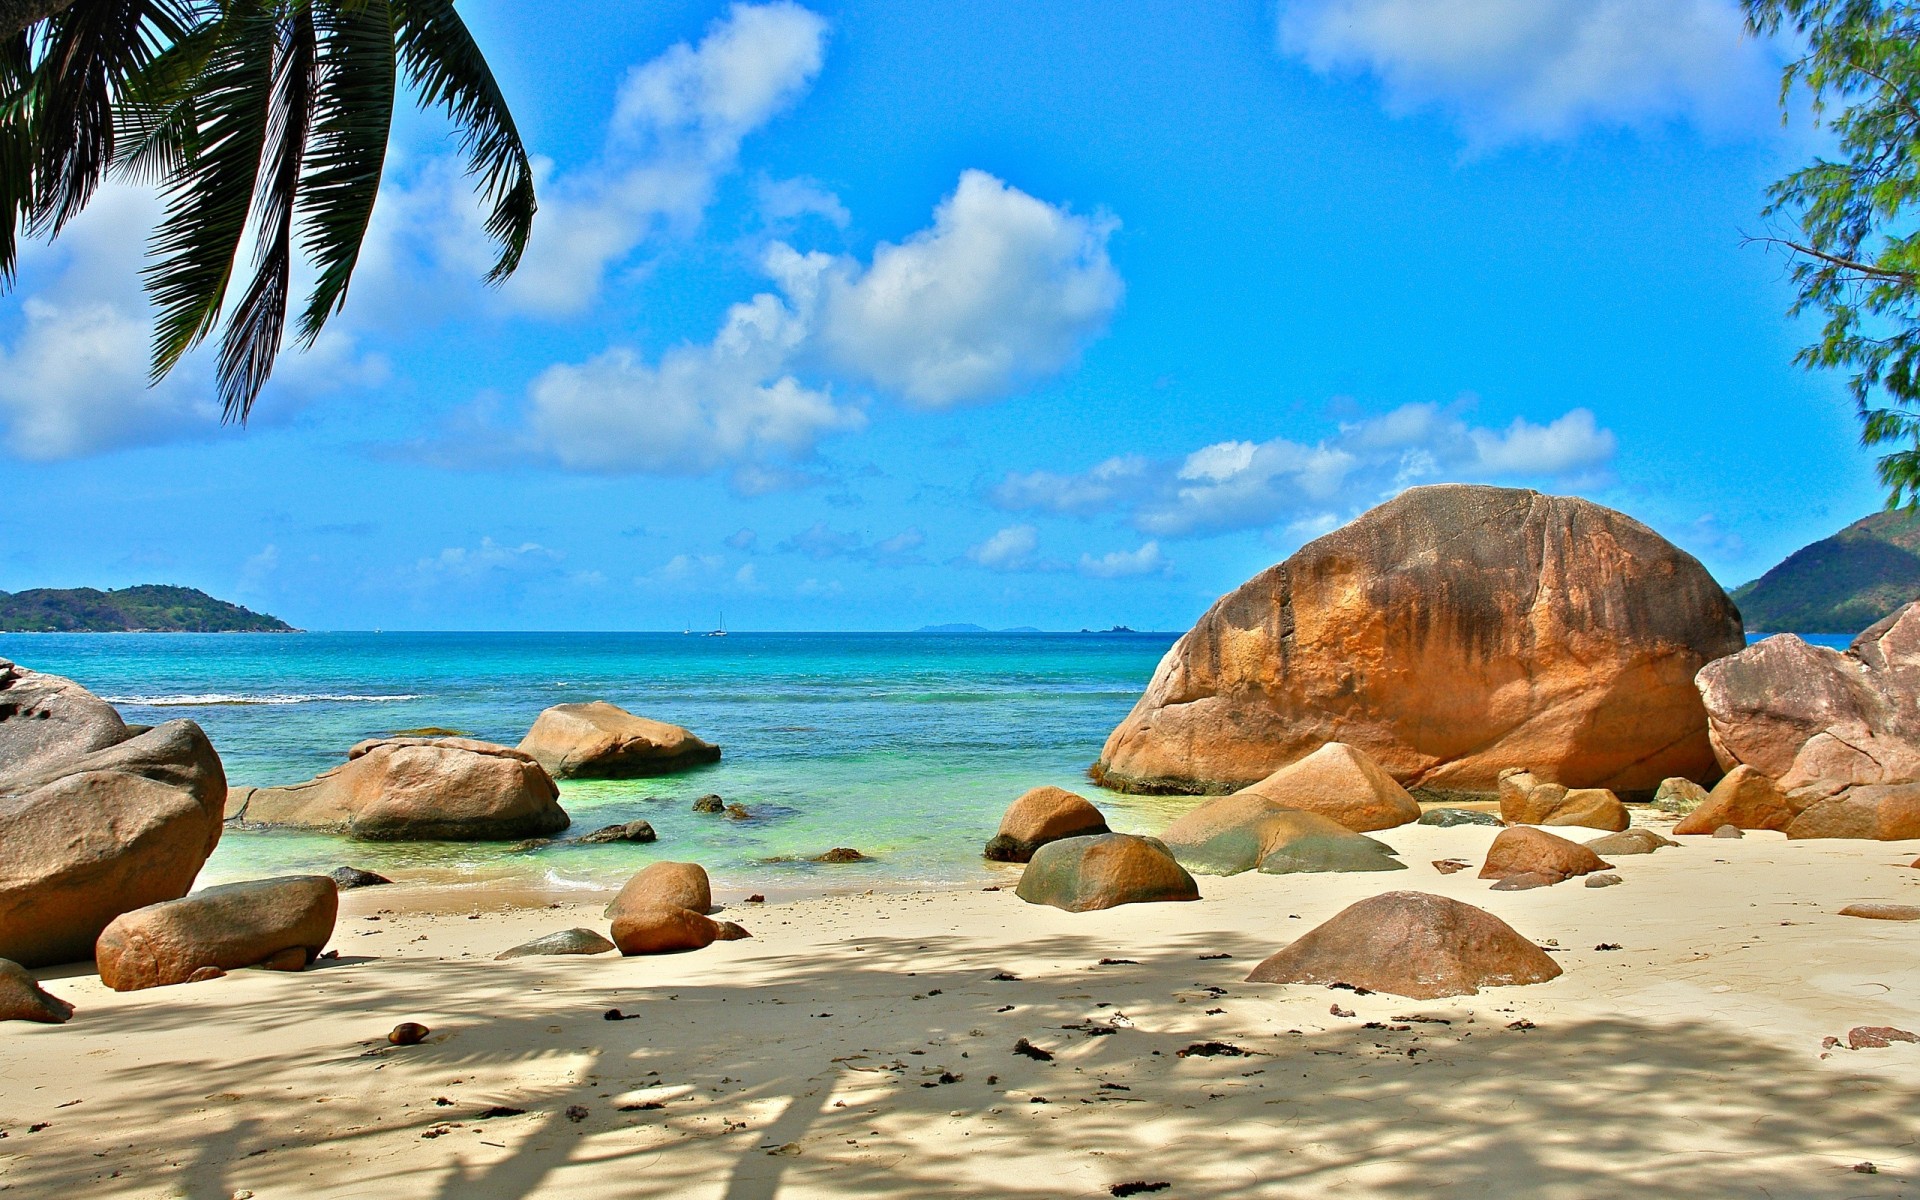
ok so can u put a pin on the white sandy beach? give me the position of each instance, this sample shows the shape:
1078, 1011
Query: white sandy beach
808, 1061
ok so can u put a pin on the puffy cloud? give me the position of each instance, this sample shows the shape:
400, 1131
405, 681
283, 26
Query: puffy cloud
783, 202
1011, 549
488, 558
1124, 564
1542, 69
1004, 289
1243, 484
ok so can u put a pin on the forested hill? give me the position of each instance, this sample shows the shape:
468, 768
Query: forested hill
1840, 584
151, 608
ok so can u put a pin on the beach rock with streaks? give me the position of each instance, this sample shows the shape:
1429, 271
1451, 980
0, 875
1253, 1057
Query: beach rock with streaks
603, 741
415, 789
1245, 832
87, 837
1523, 850
1104, 871
1341, 783
1039, 816
280, 923
23, 999
1745, 799
1452, 632
1411, 944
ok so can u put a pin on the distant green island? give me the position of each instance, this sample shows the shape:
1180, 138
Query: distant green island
1840, 584
148, 608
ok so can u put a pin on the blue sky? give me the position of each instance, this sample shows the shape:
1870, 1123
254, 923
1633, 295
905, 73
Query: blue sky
874, 315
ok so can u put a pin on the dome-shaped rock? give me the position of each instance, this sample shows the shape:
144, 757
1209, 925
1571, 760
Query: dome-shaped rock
1525, 800
1242, 832
1632, 841
1087, 873
1341, 783
1039, 816
85, 839
1523, 850
1411, 944
47, 720
1448, 633
1745, 799
603, 741
284, 923
663, 909
415, 789
567, 941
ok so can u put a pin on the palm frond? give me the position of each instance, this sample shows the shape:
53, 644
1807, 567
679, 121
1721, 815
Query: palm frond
156, 122
444, 63
207, 204
16, 150
353, 115
252, 339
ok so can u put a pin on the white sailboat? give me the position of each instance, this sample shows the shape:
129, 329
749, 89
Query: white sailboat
722, 631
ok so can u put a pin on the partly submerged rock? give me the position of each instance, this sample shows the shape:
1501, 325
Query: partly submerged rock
1039, 816
1448, 818
1341, 783
284, 923
603, 741
709, 804
630, 831
86, 838
1632, 841
1527, 800
1102, 871
1448, 633
567, 941
1745, 799
1244, 832
23, 999
1411, 944
353, 877
415, 789
1523, 850
841, 854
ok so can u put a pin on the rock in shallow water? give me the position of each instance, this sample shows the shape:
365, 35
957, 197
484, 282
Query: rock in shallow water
1039, 816
603, 741
841, 854
353, 877
1411, 944
567, 941
631, 831
709, 804
22, 998
284, 923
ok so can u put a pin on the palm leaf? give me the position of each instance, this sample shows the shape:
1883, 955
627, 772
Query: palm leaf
348, 152
207, 204
443, 62
252, 340
16, 150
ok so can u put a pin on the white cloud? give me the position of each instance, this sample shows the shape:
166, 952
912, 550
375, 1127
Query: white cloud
1125, 564
783, 202
1011, 549
1511, 70
821, 542
1003, 290
1243, 484
488, 558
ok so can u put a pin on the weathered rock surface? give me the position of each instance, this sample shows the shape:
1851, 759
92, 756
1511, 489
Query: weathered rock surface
709, 804
1527, 800
1883, 912
630, 831
1340, 782
1603, 879
841, 854
1411, 944
346, 878
1887, 812
47, 720
663, 909
567, 941
1633, 841
1822, 722
1449, 633
1087, 873
23, 999
85, 839
1039, 816
1523, 850
1448, 818
283, 923
1679, 796
1245, 831
415, 789
1744, 799
603, 741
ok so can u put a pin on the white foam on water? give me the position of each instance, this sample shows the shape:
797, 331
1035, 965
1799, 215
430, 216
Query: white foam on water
212, 699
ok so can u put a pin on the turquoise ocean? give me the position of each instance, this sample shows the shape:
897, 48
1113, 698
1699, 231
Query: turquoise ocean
906, 747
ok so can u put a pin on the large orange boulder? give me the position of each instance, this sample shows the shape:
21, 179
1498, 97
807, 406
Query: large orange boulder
1342, 783
1042, 815
278, 923
1523, 850
1454, 631
663, 910
603, 741
1244, 832
88, 837
415, 789
1744, 799
1888, 812
1411, 944
1525, 800
1087, 873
